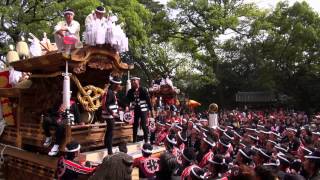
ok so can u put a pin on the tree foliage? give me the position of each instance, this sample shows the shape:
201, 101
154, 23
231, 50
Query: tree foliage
213, 49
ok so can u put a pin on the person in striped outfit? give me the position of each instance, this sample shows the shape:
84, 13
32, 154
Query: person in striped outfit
139, 99
110, 110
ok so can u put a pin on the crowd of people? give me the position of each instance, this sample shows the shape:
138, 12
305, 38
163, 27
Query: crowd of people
261, 144
268, 144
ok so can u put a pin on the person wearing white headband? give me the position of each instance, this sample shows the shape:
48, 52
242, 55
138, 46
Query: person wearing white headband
68, 167
187, 161
218, 166
69, 27
138, 99
110, 109
312, 165
243, 157
96, 27
147, 165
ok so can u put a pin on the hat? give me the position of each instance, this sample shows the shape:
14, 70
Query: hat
228, 134
242, 144
255, 138
273, 163
304, 127
221, 129
284, 158
251, 129
219, 160
160, 123
230, 127
134, 78
291, 129
264, 131
204, 129
209, 141
281, 148
188, 154
260, 126
274, 133
115, 80
317, 133
305, 150
196, 128
197, 173
178, 126
263, 152
224, 141
171, 140
246, 153
272, 142
147, 148
68, 11
168, 124
100, 9
182, 136
72, 146
314, 156
238, 133
204, 134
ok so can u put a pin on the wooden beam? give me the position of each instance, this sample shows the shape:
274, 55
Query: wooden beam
43, 160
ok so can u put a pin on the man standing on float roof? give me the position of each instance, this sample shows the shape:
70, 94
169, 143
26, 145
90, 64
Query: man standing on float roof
96, 27
139, 99
68, 27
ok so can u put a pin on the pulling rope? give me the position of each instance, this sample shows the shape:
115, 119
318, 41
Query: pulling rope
89, 96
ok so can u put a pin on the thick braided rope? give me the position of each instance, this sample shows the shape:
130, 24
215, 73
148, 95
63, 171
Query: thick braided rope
89, 103
89, 96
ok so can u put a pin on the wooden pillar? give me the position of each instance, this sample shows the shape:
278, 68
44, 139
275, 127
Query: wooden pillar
68, 137
18, 121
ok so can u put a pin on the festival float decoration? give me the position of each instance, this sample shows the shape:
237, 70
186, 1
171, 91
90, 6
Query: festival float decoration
23, 49
12, 55
193, 104
163, 92
213, 116
80, 73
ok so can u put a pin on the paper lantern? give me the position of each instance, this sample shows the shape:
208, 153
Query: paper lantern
23, 49
12, 55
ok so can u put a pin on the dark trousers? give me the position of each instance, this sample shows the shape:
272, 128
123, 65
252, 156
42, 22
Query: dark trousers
49, 122
152, 137
142, 116
108, 135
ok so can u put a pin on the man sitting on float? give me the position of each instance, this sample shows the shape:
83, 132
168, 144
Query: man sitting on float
56, 118
67, 28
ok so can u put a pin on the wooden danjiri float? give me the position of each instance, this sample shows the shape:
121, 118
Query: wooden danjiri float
21, 144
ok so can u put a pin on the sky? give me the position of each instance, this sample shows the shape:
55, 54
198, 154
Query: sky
270, 4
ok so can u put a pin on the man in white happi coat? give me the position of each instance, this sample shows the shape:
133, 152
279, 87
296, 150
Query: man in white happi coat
96, 26
68, 27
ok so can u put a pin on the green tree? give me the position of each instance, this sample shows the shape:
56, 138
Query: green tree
201, 24
279, 54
